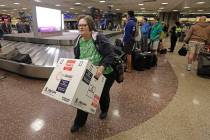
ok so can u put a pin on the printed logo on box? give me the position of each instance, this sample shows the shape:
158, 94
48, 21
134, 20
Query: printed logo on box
49, 91
61, 75
65, 99
91, 91
95, 101
62, 86
69, 65
87, 77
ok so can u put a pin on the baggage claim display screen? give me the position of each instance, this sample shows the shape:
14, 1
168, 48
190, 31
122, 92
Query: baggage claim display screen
48, 20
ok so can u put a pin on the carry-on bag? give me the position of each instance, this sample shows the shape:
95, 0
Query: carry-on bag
203, 68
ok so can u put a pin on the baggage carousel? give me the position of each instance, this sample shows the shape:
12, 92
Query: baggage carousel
44, 52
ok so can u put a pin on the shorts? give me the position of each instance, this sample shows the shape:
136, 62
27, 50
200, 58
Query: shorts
128, 47
195, 46
154, 45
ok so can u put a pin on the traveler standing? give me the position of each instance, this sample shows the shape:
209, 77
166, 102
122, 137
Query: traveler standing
6, 27
197, 37
155, 35
129, 38
103, 57
175, 33
145, 30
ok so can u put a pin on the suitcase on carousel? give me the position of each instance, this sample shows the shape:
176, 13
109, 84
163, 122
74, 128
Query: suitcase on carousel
203, 68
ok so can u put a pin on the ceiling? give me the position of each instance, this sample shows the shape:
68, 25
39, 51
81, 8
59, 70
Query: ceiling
150, 6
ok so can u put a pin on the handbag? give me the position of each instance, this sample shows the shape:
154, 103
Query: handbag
183, 51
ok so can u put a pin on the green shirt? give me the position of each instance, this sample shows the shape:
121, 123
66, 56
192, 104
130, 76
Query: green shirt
88, 51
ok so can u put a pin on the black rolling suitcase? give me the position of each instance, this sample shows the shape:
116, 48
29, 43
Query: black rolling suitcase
203, 68
143, 60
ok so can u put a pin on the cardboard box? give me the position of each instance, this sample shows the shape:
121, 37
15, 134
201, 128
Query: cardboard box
72, 82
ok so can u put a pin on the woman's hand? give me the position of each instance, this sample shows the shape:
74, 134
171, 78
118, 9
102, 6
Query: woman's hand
100, 71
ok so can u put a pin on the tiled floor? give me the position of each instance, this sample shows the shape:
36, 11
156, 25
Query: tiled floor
163, 103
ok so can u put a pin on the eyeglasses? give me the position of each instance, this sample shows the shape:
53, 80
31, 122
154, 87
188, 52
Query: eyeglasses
82, 25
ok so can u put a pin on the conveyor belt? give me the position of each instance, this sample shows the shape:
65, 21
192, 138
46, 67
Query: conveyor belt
44, 58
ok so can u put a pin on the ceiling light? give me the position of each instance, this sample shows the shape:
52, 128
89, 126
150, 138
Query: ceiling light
72, 8
186, 7
161, 8
200, 10
4, 10
141, 4
67, 11
102, 1
57, 5
14, 9
37, 0
142, 8
75, 13
77, 3
2, 5
200, 2
175, 10
24, 8
16, 3
164, 3
117, 9
90, 7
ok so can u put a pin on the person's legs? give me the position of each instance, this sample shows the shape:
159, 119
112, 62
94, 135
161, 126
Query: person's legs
191, 55
173, 44
79, 121
155, 45
128, 48
105, 97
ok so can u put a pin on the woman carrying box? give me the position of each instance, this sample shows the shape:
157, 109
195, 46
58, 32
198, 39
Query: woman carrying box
95, 47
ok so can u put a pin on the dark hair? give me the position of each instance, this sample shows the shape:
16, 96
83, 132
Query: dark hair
146, 19
177, 23
89, 20
131, 13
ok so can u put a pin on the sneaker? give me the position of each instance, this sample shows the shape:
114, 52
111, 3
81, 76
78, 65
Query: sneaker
103, 115
75, 128
189, 67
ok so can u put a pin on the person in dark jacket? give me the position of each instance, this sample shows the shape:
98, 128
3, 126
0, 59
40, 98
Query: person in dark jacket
175, 33
6, 27
86, 48
128, 38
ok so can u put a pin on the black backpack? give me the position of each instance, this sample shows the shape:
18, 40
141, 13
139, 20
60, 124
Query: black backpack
117, 64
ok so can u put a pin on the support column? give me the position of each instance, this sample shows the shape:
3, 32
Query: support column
169, 17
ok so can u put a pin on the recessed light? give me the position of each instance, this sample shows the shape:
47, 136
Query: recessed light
37, 0
14, 9
200, 2
102, 1
72, 8
117, 9
24, 8
2, 5
77, 3
141, 4
164, 3
161, 8
4, 10
57, 5
186, 7
16, 3
175, 10
200, 10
